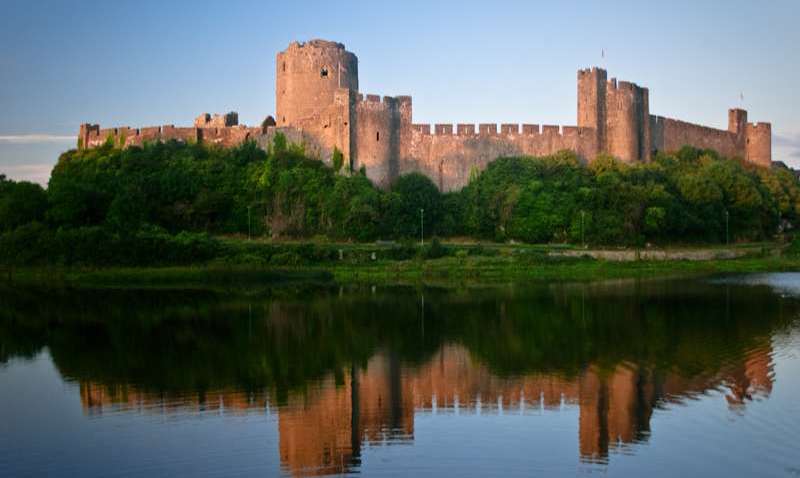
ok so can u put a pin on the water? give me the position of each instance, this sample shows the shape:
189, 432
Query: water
621, 378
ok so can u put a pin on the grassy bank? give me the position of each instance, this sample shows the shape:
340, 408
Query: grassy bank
492, 270
443, 264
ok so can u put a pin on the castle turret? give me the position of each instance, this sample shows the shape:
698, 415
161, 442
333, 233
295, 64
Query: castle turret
737, 120
627, 121
758, 143
308, 77
592, 103
85, 131
618, 113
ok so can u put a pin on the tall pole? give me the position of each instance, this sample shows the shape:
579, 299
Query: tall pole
422, 227
727, 236
583, 238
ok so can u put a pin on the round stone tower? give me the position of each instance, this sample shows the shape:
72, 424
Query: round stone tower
309, 74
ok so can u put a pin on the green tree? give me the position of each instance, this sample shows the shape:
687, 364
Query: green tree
20, 203
409, 195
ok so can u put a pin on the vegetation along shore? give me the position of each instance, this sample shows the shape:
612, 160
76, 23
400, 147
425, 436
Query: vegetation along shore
174, 212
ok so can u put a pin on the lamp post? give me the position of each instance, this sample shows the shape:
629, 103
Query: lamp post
727, 236
583, 239
421, 227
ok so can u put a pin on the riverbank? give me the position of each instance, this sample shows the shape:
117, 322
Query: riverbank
447, 264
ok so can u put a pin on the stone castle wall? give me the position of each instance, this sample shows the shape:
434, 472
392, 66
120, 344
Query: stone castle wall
92, 136
671, 135
449, 155
319, 105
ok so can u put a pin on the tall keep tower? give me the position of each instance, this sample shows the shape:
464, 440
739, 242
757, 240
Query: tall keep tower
618, 112
308, 77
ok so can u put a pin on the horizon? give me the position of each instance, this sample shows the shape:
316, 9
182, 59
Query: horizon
166, 64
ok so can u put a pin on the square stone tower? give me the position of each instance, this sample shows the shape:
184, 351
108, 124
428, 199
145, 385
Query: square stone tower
619, 113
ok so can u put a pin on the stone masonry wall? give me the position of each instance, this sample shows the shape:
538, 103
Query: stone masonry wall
377, 138
749, 141
671, 135
308, 78
627, 123
318, 105
449, 159
759, 143
92, 136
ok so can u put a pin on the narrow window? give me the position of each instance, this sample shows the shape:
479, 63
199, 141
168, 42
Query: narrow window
284, 66
323, 73
378, 136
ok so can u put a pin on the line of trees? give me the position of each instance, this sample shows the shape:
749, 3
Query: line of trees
175, 197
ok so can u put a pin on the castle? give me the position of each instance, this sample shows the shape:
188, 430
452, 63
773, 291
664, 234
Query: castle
324, 429
318, 104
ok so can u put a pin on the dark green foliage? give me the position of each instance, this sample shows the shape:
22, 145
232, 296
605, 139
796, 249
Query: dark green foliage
337, 160
412, 202
353, 209
435, 250
20, 203
35, 244
158, 204
675, 198
286, 340
26, 245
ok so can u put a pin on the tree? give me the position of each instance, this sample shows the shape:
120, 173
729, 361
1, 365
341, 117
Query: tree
20, 203
410, 194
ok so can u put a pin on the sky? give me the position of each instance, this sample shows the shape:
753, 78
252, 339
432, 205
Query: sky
146, 63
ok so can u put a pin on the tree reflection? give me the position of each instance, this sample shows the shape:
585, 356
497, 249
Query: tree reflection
352, 367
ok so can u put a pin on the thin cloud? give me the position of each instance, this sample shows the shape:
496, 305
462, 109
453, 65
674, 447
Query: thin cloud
35, 138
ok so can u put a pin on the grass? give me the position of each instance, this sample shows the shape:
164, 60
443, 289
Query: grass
504, 269
508, 264
184, 277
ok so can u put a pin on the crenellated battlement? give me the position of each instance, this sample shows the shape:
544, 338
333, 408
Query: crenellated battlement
622, 85
382, 102
510, 130
465, 129
589, 71
206, 120
318, 103
422, 128
443, 129
92, 136
317, 43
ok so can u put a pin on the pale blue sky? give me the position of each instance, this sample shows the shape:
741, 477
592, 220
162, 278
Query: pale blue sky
157, 62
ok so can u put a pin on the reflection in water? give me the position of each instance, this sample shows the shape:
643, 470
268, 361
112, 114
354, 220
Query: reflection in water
322, 429
348, 369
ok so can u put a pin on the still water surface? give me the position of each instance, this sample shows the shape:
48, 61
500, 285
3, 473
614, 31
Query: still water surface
623, 378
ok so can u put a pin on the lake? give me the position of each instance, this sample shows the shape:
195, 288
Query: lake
691, 377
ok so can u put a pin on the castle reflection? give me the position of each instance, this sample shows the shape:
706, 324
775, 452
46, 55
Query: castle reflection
323, 428
344, 370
